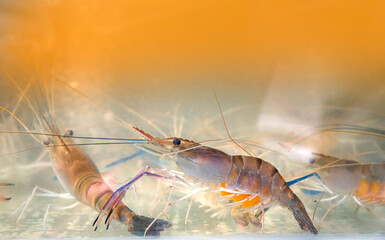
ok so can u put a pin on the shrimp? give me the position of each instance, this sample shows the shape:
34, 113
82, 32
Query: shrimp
80, 177
341, 177
365, 183
250, 182
2, 198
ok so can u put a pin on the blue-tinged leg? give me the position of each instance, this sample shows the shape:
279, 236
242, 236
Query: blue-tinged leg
122, 160
292, 182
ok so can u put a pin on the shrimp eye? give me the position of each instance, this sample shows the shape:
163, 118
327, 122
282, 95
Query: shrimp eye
70, 133
47, 141
176, 141
312, 160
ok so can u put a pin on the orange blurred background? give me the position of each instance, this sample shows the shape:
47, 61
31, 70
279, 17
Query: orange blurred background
276, 65
244, 43
174, 35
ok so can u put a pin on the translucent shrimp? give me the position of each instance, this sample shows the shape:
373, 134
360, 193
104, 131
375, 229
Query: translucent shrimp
363, 182
342, 178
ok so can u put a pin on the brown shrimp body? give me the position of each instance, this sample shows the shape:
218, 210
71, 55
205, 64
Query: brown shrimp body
259, 181
250, 175
254, 178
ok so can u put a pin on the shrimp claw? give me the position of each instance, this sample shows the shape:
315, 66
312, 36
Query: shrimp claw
137, 222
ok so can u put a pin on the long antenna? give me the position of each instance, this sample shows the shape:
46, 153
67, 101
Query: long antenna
21, 122
224, 122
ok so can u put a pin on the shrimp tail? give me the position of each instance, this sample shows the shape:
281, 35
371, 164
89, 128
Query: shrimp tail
139, 225
300, 214
286, 198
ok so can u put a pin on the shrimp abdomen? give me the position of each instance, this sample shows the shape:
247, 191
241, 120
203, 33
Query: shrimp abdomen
255, 176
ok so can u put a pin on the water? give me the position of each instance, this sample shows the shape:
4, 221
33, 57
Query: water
155, 73
200, 119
